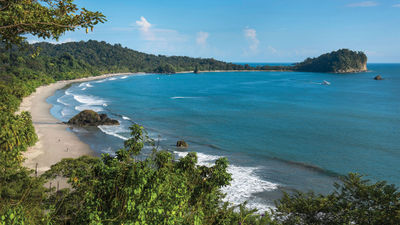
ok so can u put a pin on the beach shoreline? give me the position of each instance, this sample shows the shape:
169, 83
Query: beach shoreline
55, 141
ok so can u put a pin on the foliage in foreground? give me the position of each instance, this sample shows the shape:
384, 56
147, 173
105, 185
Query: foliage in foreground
157, 190
42, 18
162, 190
354, 201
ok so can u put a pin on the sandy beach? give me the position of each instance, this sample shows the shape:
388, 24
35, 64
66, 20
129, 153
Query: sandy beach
55, 141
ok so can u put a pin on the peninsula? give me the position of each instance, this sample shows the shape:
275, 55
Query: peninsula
94, 58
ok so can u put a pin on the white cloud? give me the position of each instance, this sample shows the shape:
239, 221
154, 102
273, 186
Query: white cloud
251, 36
144, 27
396, 5
149, 32
202, 37
363, 4
143, 24
158, 40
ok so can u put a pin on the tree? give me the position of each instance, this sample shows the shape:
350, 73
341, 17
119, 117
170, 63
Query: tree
42, 18
355, 201
21, 194
156, 190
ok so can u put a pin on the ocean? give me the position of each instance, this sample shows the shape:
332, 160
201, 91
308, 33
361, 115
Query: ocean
281, 131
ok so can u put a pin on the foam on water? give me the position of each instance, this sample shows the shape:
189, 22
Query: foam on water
91, 107
59, 100
244, 182
89, 100
126, 118
123, 77
66, 112
101, 81
182, 97
112, 78
115, 131
86, 84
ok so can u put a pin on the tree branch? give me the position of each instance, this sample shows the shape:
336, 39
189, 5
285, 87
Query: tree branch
41, 23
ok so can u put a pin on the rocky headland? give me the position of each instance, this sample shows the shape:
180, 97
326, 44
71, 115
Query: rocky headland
341, 61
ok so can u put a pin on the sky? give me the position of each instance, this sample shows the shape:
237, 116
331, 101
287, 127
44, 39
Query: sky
248, 30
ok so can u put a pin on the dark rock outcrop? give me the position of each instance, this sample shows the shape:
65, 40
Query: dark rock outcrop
91, 118
181, 144
378, 77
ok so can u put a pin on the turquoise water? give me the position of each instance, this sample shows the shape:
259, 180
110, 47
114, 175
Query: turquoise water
280, 130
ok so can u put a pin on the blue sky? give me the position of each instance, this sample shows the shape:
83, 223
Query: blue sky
249, 30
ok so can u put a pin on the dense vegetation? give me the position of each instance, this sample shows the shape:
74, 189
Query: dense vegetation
43, 18
341, 61
157, 190
122, 189
93, 57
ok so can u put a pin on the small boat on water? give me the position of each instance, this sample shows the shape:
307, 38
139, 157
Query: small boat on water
326, 82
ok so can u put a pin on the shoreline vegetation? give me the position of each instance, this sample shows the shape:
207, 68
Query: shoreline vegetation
122, 189
55, 142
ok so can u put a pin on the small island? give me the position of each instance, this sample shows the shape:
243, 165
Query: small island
341, 61
91, 118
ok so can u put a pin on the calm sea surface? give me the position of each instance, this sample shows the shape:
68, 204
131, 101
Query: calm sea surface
280, 130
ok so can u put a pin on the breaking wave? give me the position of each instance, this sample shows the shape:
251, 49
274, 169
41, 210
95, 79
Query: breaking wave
245, 182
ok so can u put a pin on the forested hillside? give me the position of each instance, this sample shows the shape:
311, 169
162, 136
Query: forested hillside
341, 61
95, 57
24, 69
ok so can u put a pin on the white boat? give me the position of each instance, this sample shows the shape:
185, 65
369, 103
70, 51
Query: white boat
326, 82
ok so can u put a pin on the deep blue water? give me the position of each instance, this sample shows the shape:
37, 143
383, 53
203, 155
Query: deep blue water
280, 130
